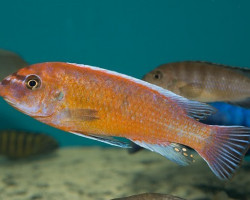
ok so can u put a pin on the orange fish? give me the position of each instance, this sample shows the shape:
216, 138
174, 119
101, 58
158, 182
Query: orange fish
204, 81
98, 104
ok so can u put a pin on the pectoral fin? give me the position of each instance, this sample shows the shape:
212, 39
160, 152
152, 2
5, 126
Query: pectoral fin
79, 114
104, 139
191, 90
242, 70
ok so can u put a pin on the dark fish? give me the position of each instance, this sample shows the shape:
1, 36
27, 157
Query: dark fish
9, 63
204, 82
134, 148
21, 144
151, 196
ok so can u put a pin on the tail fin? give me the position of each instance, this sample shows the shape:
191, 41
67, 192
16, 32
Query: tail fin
226, 149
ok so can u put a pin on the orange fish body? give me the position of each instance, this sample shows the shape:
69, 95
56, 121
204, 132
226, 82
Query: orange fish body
98, 103
118, 107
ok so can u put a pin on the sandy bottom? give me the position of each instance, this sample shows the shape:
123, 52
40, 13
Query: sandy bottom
106, 173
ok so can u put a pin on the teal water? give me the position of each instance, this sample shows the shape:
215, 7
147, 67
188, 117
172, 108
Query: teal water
131, 37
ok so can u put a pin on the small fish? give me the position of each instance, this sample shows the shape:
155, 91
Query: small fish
21, 144
150, 196
229, 115
100, 104
203, 81
9, 63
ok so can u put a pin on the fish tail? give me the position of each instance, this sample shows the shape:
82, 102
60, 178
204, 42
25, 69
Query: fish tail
225, 149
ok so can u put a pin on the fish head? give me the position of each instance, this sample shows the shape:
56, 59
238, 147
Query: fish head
162, 76
33, 90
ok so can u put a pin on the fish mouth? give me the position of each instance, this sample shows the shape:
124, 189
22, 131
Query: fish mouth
2, 94
35, 115
1, 89
9, 101
13, 104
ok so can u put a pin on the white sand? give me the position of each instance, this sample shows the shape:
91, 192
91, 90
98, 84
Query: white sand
104, 173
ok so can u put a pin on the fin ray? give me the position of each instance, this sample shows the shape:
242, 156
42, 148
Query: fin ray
173, 152
104, 139
196, 110
80, 114
225, 152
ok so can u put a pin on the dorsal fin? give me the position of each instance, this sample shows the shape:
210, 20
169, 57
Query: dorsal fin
242, 70
194, 109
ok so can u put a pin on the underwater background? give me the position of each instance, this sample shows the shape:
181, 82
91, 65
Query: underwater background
131, 37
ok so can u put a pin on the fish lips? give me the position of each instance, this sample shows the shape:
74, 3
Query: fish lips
2, 90
4, 94
5, 90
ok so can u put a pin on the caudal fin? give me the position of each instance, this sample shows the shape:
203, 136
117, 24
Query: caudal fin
225, 149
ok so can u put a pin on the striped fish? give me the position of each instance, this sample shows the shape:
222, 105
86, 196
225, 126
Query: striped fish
21, 144
204, 81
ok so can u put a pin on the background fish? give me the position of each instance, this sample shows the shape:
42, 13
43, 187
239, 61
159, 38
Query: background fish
98, 104
9, 63
203, 81
229, 115
150, 196
21, 144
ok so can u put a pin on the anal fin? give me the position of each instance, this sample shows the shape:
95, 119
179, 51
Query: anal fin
175, 152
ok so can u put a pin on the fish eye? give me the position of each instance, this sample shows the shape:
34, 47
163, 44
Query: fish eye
157, 75
33, 82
